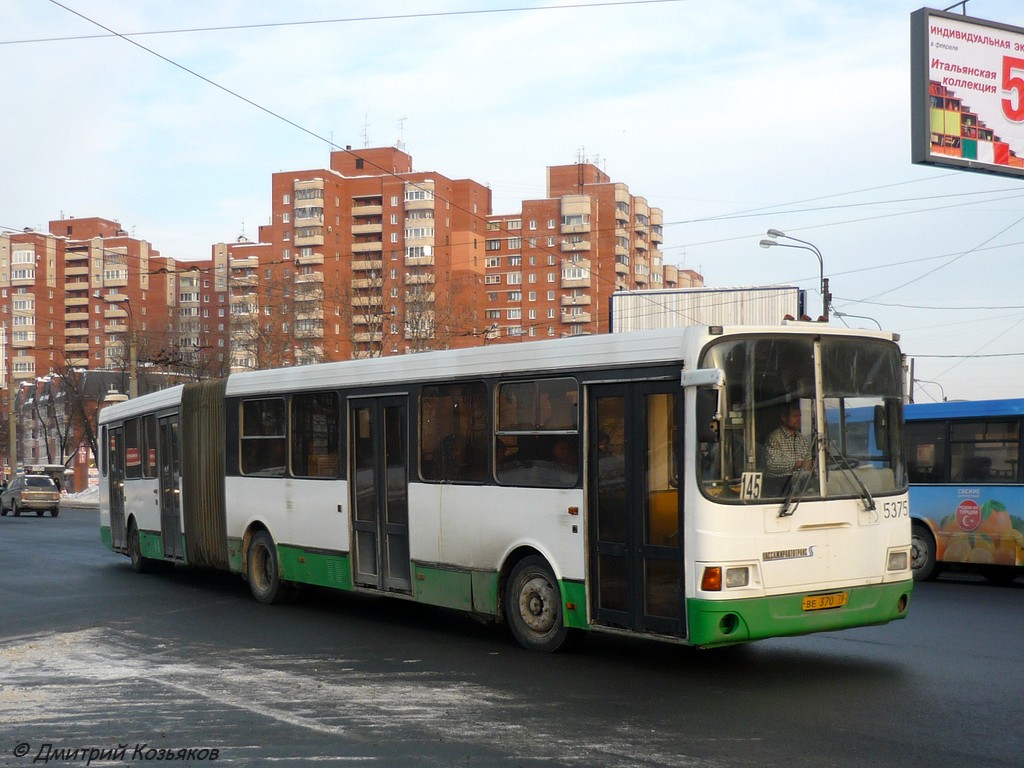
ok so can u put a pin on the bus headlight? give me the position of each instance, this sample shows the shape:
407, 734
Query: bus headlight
737, 577
713, 579
899, 560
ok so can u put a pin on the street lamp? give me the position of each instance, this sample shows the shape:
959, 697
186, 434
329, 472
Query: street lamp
133, 364
942, 391
805, 246
837, 313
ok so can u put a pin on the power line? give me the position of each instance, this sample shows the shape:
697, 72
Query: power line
353, 19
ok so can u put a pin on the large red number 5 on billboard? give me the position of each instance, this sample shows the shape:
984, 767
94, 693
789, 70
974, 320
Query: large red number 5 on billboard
1013, 84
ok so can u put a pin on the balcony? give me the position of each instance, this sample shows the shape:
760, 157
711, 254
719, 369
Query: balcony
367, 210
75, 317
373, 228
313, 258
311, 239
575, 282
367, 301
309, 333
367, 284
419, 261
366, 338
575, 301
621, 269
419, 205
309, 221
569, 247
77, 271
583, 317
76, 301
364, 319
414, 299
426, 279
366, 265
77, 346
312, 277
375, 247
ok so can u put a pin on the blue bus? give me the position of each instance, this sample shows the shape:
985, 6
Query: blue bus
966, 487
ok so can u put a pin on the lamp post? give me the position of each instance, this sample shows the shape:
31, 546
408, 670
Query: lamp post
133, 364
942, 391
837, 313
804, 246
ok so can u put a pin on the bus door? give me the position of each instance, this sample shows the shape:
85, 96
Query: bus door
170, 493
115, 487
635, 507
380, 496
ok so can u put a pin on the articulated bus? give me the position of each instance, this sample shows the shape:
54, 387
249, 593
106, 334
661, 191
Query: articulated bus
612, 483
966, 487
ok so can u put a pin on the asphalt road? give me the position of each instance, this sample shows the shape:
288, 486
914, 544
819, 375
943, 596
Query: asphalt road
185, 665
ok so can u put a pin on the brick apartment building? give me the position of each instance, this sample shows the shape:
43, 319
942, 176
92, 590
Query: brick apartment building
369, 257
77, 296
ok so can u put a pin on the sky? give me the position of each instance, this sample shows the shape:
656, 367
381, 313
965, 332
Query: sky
732, 116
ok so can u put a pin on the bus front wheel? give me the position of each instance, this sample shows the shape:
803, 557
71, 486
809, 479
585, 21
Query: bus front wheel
140, 564
262, 570
533, 607
922, 553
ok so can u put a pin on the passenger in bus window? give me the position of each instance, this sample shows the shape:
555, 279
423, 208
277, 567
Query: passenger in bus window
788, 448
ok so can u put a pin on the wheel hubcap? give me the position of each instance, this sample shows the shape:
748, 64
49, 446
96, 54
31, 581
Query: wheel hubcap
537, 604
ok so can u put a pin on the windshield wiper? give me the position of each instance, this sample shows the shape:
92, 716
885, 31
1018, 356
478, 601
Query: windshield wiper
802, 479
843, 464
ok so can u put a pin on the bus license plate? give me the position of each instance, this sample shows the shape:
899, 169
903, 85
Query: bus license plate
821, 602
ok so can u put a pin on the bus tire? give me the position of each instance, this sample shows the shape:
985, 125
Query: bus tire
140, 564
922, 552
263, 572
533, 607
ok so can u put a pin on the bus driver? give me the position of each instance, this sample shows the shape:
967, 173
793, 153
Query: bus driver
788, 448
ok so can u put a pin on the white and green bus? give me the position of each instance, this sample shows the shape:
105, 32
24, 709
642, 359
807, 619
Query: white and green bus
614, 483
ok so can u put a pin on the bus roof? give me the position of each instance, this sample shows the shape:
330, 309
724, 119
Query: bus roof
623, 350
964, 409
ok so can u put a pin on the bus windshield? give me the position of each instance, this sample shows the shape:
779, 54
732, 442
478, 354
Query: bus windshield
804, 417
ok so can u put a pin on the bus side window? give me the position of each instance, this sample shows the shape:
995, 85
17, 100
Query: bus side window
316, 434
453, 432
263, 449
537, 440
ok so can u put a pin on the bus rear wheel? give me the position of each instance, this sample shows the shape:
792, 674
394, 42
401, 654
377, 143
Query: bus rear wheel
533, 607
922, 553
262, 570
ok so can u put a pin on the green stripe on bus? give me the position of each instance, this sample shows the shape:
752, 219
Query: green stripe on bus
151, 544
720, 622
574, 604
105, 537
323, 569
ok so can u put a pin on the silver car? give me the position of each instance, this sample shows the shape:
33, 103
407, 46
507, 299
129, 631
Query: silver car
35, 492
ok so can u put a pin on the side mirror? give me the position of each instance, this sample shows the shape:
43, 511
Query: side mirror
707, 415
879, 426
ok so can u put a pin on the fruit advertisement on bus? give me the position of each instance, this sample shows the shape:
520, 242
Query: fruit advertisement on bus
973, 524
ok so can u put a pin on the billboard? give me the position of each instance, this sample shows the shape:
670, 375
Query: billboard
967, 91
